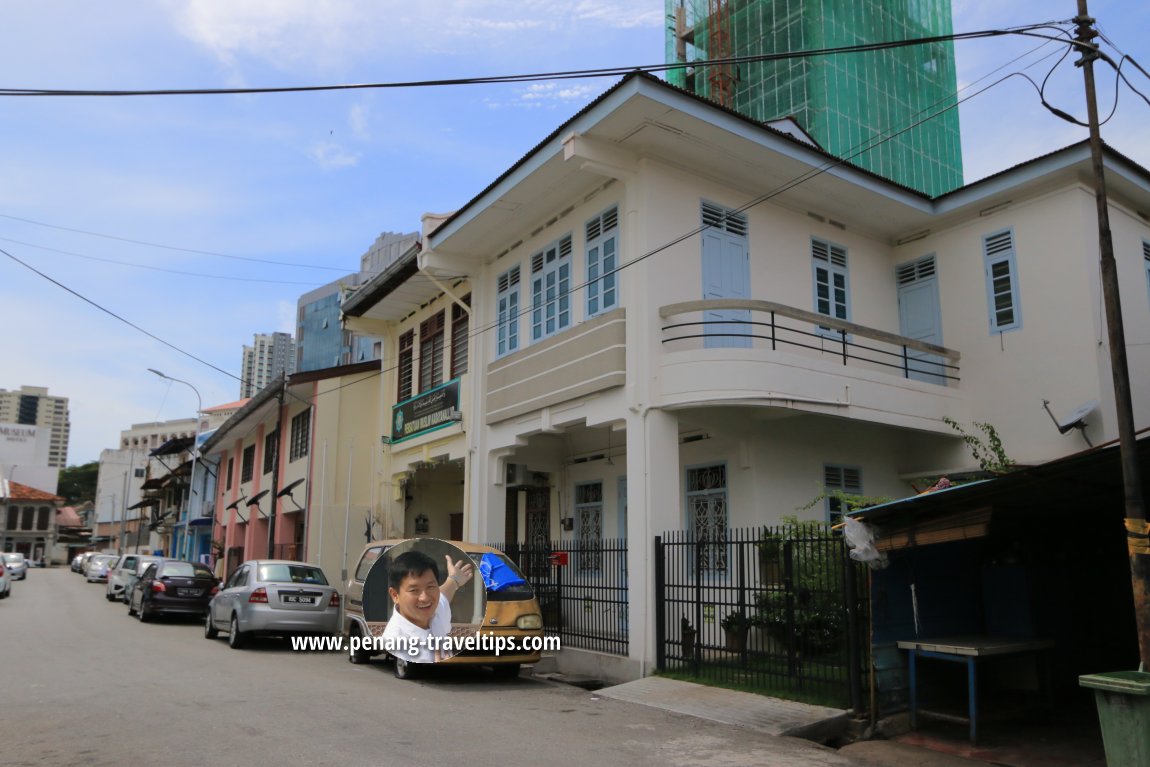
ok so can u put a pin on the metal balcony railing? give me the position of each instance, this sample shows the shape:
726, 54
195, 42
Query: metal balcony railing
730, 322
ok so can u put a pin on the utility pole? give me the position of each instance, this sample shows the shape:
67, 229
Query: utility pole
1137, 529
276, 468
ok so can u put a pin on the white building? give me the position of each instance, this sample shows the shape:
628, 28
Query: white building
685, 320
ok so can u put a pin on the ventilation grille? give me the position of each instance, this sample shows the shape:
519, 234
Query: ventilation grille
835, 255
999, 244
843, 478
727, 220
602, 224
509, 279
916, 270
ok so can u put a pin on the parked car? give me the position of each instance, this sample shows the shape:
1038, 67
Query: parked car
5, 581
273, 598
96, 571
84, 559
172, 586
17, 565
134, 575
512, 613
118, 576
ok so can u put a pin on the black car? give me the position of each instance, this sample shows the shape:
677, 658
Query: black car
172, 586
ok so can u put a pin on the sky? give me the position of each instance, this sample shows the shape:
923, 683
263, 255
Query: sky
165, 210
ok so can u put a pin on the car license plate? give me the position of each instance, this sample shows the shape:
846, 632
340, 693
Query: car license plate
188, 592
297, 599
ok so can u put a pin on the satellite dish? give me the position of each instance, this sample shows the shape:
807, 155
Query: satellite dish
1076, 420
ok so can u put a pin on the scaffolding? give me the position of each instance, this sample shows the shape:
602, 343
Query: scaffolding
852, 104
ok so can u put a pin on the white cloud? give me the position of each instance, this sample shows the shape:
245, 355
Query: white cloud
333, 33
358, 118
329, 155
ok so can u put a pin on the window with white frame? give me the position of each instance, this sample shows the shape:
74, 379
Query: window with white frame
589, 525
507, 311
707, 515
602, 261
551, 289
1001, 281
837, 480
831, 281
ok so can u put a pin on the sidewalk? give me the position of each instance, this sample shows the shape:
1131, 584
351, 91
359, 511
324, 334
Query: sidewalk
777, 717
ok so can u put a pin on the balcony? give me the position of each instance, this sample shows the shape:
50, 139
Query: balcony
740, 351
583, 360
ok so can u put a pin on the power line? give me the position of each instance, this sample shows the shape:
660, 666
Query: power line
543, 76
155, 268
172, 247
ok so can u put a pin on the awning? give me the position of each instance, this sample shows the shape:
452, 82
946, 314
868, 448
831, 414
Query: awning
145, 502
1083, 481
155, 483
173, 446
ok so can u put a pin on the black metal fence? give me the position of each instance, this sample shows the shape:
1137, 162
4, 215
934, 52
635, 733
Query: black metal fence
774, 610
582, 590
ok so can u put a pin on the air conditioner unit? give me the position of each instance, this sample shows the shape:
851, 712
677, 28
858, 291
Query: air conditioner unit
517, 474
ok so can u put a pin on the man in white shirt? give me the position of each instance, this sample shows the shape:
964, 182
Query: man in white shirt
421, 622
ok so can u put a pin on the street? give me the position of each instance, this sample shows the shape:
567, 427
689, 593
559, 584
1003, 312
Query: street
84, 684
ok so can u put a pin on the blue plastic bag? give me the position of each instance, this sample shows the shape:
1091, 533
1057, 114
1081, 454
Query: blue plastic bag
497, 574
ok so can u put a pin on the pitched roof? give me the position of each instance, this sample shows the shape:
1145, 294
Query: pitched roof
17, 492
229, 406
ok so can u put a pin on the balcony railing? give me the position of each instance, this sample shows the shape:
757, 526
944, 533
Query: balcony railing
730, 322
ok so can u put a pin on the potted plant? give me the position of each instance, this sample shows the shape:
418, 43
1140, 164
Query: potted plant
735, 626
770, 558
688, 634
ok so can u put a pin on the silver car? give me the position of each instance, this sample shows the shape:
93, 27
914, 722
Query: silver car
272, 597
98, 567
17, 566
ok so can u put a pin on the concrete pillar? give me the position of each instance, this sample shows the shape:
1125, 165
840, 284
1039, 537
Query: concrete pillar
653, 506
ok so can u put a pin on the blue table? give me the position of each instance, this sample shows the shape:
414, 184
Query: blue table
969, 650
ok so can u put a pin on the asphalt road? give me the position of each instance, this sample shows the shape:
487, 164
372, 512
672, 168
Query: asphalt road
81, 683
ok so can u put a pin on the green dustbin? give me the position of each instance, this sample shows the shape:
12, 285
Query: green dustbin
1123, 699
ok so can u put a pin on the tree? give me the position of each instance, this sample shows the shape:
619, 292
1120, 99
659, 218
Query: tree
78, 483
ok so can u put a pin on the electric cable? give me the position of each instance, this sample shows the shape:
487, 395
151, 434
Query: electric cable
541, 76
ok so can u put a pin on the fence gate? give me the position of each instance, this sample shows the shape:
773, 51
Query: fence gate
779, 611
582, 589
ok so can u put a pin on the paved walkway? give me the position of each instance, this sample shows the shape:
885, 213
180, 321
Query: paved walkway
776, 717
758, 712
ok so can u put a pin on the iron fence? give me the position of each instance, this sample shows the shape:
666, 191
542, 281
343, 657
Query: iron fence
773, 610
582, 590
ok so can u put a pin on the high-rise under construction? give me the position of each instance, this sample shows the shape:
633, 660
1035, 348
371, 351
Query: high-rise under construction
891, 111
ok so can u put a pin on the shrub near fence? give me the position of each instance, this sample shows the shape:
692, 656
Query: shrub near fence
773, 610
582, 590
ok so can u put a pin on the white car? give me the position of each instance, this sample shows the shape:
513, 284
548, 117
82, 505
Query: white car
5, 581
17, 565
119, 576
